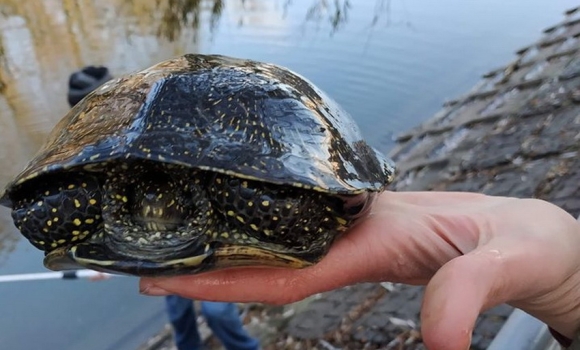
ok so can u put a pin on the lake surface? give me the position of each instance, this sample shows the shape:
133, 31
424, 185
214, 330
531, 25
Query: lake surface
389, 63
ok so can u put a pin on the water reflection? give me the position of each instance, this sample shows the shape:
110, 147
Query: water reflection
178, 14
336, 11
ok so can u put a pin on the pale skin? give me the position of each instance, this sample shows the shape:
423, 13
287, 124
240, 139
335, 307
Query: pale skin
472, 251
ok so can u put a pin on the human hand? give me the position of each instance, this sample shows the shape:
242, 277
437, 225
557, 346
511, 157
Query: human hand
472, 251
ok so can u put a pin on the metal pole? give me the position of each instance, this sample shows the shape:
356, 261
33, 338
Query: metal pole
522, 332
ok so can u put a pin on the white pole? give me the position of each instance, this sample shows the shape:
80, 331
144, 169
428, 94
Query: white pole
75, 274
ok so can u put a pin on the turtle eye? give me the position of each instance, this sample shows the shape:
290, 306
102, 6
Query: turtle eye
62, 211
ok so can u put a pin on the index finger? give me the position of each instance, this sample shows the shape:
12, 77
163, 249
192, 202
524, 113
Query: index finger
270, 285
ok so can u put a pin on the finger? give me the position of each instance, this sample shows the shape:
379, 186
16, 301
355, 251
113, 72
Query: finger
455, 296
371, 252
365, 254
345, 265
432, 198
393, 244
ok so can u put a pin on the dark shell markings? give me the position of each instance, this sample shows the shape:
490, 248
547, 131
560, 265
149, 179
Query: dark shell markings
197, 163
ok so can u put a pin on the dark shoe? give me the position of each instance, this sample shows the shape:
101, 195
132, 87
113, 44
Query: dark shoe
84, 81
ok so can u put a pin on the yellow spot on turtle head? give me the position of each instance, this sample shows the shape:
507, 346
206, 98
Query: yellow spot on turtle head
266, 203
341, 221
231, 213
89, 221
92, 201
77, 222
71, 186
77, 203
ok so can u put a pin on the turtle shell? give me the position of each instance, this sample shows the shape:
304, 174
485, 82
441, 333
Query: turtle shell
252, 164
257, 120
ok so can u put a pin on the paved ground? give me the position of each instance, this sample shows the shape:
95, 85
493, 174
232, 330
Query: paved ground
516, 133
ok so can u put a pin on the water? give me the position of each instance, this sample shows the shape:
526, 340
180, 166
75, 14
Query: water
389, 63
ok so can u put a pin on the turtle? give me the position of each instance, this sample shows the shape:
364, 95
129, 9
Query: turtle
197, 163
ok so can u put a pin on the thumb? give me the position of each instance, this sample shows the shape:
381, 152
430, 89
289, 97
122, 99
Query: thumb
456, 295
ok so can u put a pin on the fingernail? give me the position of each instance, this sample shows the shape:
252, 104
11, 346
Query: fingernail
153, 290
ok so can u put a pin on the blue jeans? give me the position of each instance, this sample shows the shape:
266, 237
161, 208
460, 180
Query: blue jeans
222, 318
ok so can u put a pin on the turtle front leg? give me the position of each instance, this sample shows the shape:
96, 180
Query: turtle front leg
62, 211
298, 219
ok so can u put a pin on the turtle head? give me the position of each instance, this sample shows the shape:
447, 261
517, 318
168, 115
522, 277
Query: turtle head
157, 205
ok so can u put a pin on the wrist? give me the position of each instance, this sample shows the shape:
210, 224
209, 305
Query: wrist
560, 309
